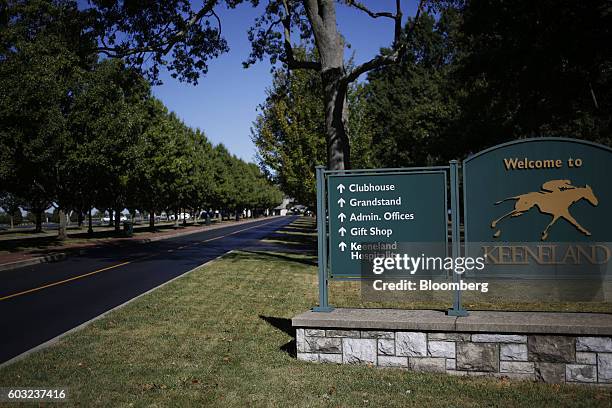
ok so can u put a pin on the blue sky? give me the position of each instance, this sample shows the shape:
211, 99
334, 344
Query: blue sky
224, 102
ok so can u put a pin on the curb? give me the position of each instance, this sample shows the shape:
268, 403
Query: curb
63, 255
33, 261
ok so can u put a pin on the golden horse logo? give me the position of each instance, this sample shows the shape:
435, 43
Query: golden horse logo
555, 198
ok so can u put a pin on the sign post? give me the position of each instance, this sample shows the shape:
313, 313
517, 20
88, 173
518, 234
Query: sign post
457, 309
322, 243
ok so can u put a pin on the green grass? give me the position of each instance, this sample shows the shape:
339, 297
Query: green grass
221, 336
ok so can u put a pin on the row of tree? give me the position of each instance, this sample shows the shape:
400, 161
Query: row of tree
474, 74
80, 132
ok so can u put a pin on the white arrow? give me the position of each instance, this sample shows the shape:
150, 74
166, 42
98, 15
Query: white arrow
342, 246
342, 231
341, 217
340, 188
341, 202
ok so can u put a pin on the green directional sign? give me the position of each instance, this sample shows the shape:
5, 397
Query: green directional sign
383, 211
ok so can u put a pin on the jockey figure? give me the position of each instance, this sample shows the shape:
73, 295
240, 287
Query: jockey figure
553, 186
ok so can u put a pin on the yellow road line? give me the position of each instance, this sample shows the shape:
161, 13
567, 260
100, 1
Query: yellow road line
63, 281
49, 285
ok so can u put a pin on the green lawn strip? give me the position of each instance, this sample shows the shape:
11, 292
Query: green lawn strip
219, 337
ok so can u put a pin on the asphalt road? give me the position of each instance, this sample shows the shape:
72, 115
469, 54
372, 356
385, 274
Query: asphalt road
40, 302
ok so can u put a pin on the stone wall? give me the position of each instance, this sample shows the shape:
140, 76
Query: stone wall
540, 357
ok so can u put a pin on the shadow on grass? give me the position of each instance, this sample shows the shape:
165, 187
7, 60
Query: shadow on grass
297, 229
304, 240
283, 325
29, 240
263, 255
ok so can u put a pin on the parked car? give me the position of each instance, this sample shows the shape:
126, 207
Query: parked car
106, 218
181, 216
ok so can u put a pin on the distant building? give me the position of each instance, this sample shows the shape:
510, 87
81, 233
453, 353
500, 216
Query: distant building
283, 208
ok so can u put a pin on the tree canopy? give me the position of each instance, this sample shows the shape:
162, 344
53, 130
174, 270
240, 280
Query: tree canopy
473, 75
80, 127
80, 132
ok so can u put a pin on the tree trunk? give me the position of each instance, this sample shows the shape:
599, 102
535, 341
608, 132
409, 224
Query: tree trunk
117, 220
152, 220
61, 232
330, 44
38, 221
336, 119
80, 219
12, 221
111, 220
90, 224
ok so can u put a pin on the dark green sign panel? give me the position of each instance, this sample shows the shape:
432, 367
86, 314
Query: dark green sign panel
385, 209
539, 190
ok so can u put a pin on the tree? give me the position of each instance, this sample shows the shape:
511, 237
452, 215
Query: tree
412, 107
75, 128
289, 133
224, 194
536, 69
174, 34
316, 22
193, 35
260, 192
361, 127
153, 177
10, 205
106, 121
39, 66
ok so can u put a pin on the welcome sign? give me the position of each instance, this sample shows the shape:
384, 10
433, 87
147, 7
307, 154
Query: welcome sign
543, 203
539, 190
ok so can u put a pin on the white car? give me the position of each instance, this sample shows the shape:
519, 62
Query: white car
181, 216
106, 218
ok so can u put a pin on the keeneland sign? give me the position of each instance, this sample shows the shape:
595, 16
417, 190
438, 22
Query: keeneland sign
534, 209
597, 254
542, 202
547, 189
537, 235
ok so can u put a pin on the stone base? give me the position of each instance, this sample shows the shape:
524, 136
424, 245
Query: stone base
547, 347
